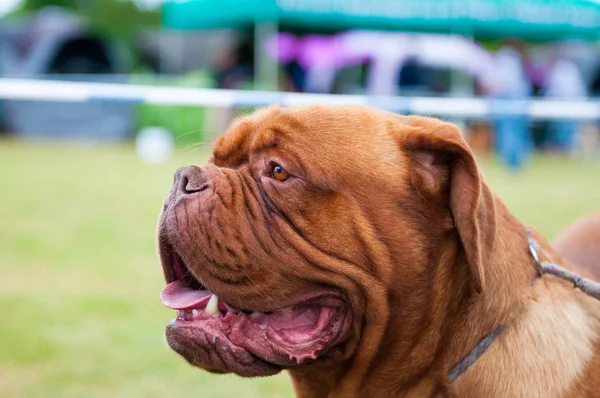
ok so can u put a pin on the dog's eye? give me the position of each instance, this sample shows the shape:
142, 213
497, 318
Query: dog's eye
278, 173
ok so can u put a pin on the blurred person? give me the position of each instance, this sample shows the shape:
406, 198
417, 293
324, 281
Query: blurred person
508, 81
595, 83
233, 68
589, 136
564, 82
296, 76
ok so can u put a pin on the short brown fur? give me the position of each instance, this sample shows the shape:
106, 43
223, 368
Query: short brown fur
579, 243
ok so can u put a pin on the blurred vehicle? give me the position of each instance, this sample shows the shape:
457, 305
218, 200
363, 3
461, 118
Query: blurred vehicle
54, 44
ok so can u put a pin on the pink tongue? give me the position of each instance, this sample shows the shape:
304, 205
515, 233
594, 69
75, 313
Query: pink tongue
178, 296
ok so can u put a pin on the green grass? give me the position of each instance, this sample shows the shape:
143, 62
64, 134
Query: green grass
79, 279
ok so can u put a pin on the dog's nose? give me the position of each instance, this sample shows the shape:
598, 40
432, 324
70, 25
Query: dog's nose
189, 180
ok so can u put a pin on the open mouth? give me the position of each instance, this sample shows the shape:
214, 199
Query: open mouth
211, 333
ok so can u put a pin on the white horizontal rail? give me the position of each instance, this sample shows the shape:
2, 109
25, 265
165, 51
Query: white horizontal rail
68, 91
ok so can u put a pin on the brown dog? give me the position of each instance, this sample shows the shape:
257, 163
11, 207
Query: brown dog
579, 243
364, 252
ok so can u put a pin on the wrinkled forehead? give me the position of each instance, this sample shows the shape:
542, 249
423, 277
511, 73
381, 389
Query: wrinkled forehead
344, 136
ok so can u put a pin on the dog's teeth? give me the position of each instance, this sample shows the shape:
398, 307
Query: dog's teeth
180, 315
213, 305
194, 313
256, 313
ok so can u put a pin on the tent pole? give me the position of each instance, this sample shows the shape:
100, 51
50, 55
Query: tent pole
457, 81
265, 68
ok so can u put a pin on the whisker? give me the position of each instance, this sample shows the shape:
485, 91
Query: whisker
199, 146
188, 133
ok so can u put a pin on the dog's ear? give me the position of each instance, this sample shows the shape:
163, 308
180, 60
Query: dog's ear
231, 149
444, 162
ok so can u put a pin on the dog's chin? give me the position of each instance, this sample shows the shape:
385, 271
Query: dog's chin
212, 334
207, 348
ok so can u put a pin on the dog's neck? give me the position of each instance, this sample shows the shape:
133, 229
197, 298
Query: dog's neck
457, 318
422, 349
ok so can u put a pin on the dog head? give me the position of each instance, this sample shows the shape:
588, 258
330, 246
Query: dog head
295, 243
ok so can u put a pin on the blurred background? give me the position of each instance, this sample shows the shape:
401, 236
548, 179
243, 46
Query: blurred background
101, 100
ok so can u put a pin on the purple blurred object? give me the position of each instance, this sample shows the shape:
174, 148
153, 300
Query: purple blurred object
283, 47
320, 51
386, 51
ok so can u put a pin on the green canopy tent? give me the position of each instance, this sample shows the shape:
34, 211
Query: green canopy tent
536, 20
526, 19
